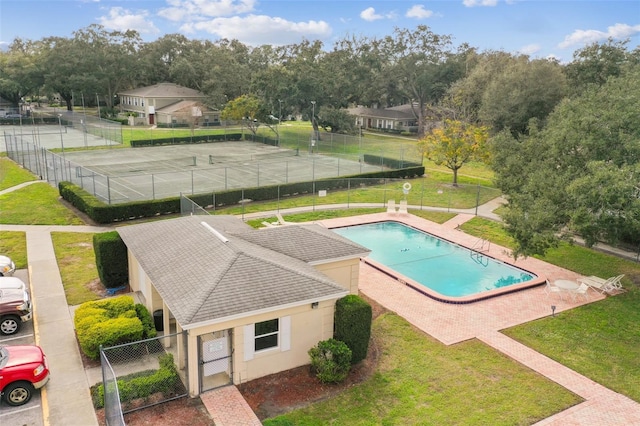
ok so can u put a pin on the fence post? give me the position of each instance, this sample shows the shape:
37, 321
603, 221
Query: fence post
477, 199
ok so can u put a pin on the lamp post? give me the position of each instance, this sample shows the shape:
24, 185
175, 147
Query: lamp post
61, 138
313, 115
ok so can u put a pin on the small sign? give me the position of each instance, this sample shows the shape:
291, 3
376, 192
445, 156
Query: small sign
322, 193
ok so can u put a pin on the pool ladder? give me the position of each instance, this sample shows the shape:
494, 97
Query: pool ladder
478, 247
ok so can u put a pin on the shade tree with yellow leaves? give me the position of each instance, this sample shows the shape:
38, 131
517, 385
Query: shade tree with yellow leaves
454, 144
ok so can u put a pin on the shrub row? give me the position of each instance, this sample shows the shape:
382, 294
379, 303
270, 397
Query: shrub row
111, 259
143, 384
104, 213
393, 163
110, 322
187, 140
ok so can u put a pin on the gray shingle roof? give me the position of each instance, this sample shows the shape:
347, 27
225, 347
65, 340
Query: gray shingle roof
164, 90
202, 278
309, 243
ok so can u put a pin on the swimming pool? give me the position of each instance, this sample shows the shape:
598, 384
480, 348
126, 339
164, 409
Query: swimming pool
437, 265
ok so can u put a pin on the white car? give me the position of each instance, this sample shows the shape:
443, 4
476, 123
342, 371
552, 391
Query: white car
12, 282
7, 267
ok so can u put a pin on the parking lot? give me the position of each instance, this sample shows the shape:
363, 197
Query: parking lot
29, 414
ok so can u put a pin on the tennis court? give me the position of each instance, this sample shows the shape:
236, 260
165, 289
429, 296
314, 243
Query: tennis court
132, 174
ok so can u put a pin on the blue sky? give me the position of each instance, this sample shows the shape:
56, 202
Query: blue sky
537, 28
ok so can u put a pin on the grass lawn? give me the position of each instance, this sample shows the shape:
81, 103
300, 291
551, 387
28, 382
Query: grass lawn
14, 245
35, 204
421, 381
598, 340
11, 174
77, 263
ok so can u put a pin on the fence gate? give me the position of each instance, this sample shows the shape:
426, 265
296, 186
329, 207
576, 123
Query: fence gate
215, 360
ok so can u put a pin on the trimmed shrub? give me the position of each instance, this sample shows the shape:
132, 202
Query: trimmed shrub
143, 384
148, 326
352, 321
331, 360
109, 322
111, 259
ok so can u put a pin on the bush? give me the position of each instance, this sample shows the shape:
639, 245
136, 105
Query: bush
331, 360
148, 326
143, 384
110, 322
352, 321
111, 259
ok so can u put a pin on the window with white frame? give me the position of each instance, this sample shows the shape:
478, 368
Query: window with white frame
266, 334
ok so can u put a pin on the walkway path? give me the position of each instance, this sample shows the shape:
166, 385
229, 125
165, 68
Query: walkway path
66, 399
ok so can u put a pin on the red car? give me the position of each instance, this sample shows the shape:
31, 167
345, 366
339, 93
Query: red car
22, 370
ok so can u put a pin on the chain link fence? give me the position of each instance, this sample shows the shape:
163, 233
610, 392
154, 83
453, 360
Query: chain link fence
141, 374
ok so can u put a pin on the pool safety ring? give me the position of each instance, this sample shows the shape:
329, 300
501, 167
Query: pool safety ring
406, 186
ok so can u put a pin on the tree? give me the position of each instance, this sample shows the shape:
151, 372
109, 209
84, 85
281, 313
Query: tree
455, 144
413, 59
579, 174
336, 120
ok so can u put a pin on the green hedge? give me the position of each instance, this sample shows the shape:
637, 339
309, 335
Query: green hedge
105, 213
182, 140
353, 317
111, 259
143, 384
110, 322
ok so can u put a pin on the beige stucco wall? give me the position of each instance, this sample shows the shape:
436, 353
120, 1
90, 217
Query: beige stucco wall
344, 272
308, 327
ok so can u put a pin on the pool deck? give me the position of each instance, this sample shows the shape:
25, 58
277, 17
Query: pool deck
483, 320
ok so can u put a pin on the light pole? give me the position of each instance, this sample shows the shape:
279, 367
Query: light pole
61, 139
313, 115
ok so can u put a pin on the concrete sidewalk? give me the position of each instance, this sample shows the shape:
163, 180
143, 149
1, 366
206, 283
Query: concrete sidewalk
65, 399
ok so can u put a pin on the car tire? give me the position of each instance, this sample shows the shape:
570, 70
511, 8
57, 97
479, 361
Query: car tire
9, 325
18, 393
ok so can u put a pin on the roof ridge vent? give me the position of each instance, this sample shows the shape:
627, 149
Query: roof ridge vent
214, 232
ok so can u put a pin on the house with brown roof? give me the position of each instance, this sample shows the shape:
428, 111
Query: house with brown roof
168, 104
399, 118
249, 302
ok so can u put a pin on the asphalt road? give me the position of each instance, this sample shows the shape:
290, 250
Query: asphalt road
29, 414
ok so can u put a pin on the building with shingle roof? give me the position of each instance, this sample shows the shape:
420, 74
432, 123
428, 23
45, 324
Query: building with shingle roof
167, 104
216, 279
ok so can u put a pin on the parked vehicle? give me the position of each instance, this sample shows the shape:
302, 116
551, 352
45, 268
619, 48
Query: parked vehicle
12, 282
15, 308
22, 370
13, 116
7, 267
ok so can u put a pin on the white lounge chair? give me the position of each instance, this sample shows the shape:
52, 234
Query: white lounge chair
602, 285
391, 206
550, 288
402, 208
581, 290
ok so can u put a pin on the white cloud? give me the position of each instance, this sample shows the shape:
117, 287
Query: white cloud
370, 15
257, 30
530, 49
583, 37
473, 3
196, 10
120, 19
418, 11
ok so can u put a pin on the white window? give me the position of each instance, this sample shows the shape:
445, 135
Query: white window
265, 335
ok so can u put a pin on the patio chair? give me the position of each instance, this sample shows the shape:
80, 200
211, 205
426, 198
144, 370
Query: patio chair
391, 206
602, 285
550, 288
402, 209
581, 290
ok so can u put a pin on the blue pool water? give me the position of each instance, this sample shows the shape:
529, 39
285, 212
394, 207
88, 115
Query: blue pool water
444, 267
